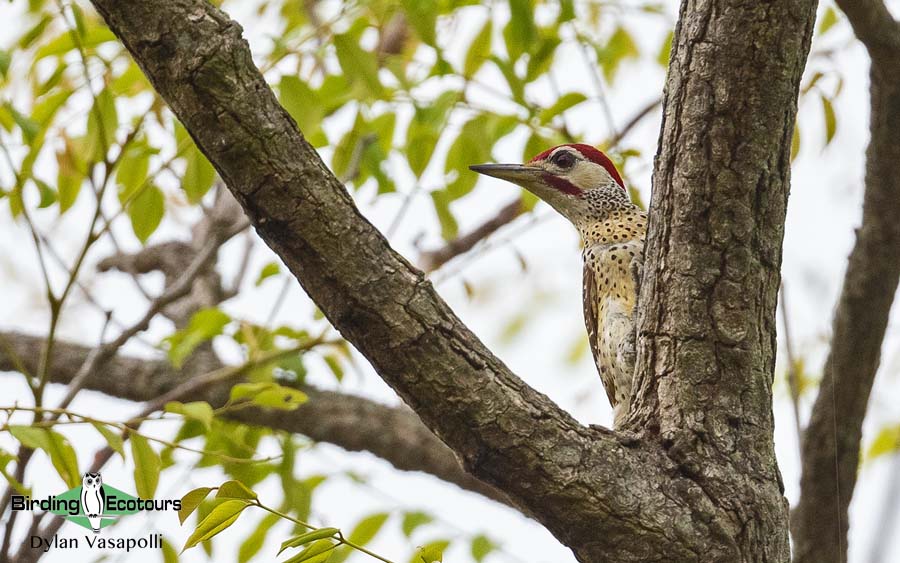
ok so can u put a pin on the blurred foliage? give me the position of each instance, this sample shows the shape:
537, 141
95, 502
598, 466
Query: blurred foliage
400, 96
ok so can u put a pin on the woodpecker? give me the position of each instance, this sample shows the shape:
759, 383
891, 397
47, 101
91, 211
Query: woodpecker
582, 184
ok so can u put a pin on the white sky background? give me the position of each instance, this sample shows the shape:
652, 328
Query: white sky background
824, 208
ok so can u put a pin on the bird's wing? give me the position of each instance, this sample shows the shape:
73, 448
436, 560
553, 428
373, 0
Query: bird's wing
591, 319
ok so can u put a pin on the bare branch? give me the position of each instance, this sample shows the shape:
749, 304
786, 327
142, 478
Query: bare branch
832, 439
874, 26
431, 260
394, 434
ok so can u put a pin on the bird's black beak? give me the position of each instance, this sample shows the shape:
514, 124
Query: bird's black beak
515, 173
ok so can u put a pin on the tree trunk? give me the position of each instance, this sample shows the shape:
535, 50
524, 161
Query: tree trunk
712, 266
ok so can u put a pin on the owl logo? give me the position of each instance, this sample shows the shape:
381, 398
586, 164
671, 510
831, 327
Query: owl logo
92, 499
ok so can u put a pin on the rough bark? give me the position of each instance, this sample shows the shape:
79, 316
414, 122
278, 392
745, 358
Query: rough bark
609, 497
707, 317
350, 422
831, 443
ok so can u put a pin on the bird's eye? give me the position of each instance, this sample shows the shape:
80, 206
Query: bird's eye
563, 159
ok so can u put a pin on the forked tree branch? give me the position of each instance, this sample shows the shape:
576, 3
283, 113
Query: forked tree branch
604, 495
831, 443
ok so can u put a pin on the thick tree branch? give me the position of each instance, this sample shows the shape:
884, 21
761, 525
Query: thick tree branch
831, 442
706, 324
353, 423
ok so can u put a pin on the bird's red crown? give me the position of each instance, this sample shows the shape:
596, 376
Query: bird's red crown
590, 153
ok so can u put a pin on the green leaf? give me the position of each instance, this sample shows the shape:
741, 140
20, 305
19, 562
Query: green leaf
235, 489
54, 79
579, 349
665, 50
35, 32
816, 77
362, 534
562, 104
536, 144
132, 170
191, 501
30, 128
308, 537
479, 51
830, 120
254, 542
304, 105
359, 65
419, 148
48, 194
16, 205
334, 364
146, 212
542, 57
147, 466
102, 124
199, 175
514, 327
69, 178
269, 394
269, 270
80, 25
473, 145
425, 128
318, 552
302, 493
55, 445
520, 33
829, 18
423, 18
566, 11
94, 35
795, 142
334, 93
621, 46
431, 553
5, 60
466, 149
412, 520
516, 84
383, 127
170, 555
482, 546
205, 325
131, 82
449, 226
221, 517
887, 441
113, 438
201, 411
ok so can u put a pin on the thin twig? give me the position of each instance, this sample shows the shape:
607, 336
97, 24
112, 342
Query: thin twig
431, 260
792, 375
